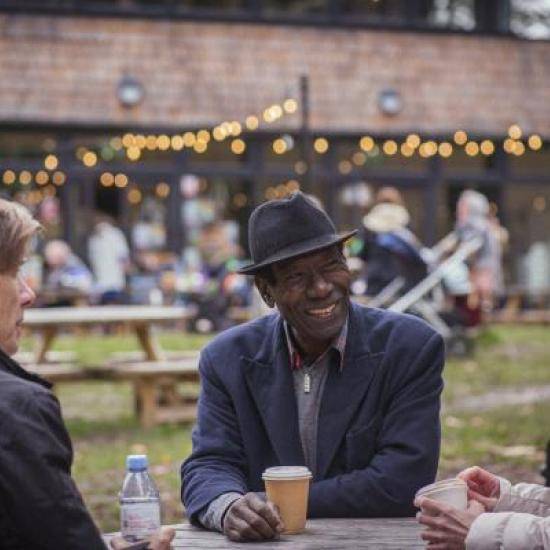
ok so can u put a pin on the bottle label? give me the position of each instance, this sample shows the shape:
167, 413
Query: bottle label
140, 520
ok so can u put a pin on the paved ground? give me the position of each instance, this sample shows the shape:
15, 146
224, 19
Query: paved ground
501, 398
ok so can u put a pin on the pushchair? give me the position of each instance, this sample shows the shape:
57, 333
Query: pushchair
422, 292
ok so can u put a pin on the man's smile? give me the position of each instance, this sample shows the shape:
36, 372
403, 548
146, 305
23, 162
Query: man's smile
322, 313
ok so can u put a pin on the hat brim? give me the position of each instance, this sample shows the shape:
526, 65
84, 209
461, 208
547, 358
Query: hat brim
298, 249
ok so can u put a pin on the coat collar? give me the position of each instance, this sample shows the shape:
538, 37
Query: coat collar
270, 381
9, 365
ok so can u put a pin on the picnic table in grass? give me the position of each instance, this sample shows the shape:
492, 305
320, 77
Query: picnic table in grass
49, 321
320, 534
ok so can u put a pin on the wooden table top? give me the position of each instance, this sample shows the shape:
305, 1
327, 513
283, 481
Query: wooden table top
320, 534
40, 317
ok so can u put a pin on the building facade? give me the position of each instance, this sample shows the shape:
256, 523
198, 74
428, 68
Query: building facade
205, 114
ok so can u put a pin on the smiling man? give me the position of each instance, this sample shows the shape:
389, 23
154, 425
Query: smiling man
350, 392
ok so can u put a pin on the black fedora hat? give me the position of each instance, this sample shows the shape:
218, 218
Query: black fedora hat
286, 228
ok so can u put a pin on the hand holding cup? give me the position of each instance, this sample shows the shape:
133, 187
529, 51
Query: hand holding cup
252, 518
483, 486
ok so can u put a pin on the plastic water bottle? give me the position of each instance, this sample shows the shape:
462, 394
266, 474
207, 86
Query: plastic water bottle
139, 501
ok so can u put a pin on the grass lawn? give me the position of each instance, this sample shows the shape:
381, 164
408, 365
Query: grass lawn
508, 440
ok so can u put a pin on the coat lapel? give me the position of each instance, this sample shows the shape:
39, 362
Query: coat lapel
270, 382
344, 392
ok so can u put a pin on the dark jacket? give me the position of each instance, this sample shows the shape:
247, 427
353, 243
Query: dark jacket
40, 506
379, 434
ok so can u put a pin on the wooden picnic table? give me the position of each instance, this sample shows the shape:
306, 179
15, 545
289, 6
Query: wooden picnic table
49, 321
320, 534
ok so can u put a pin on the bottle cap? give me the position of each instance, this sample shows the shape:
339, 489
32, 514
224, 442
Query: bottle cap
286, 472
136, 463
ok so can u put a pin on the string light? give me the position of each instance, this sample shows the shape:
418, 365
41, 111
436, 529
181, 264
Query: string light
389, 147
121, 180
9, 177
535, 142
366, 143
151, 142
200, 147
189, 139
90, 159
509, 145
240, 200
238, 146
515, 131
140, 141
519, 149
219, 133
176, 142
162, 189
133, 153
51, 162
116, 143
41, 177
25, 177
445, 149
134, 196
320, 145
487, 147
204, 135
406, 150
107, 179
279, 146
427, 149
471, 148
290, 106
58, 178
413, 141
128, 140
460, 137
236, 128
163, 142
252, 122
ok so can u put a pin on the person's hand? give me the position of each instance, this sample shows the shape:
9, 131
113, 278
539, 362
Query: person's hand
158, 541
482, 486
252, 518
447, 527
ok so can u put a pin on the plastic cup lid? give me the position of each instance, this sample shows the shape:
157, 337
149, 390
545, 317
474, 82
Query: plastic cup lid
454, 482
286, 472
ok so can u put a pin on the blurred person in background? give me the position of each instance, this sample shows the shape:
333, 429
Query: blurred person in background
109, 257
499, 515
40, 505
473, 221
390, 249
67, 277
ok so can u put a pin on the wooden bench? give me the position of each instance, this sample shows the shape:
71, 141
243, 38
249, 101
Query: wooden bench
156, 396
65, 372
157, 399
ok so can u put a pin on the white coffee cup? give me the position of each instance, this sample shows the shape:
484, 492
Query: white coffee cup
452, 491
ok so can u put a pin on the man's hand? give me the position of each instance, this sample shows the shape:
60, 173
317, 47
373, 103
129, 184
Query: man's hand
447, 526
252, 518
482, 486
159, 541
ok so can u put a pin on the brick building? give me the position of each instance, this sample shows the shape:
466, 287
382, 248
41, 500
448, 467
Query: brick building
65, 73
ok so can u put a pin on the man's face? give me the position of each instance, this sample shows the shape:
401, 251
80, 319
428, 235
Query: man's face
312, 294
15, 295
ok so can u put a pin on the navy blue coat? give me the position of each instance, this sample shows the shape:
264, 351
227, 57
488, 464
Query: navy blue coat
379, 432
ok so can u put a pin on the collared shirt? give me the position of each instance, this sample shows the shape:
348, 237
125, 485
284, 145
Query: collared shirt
308, 406
309, 384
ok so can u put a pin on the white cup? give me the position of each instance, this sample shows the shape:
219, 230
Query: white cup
452, 491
